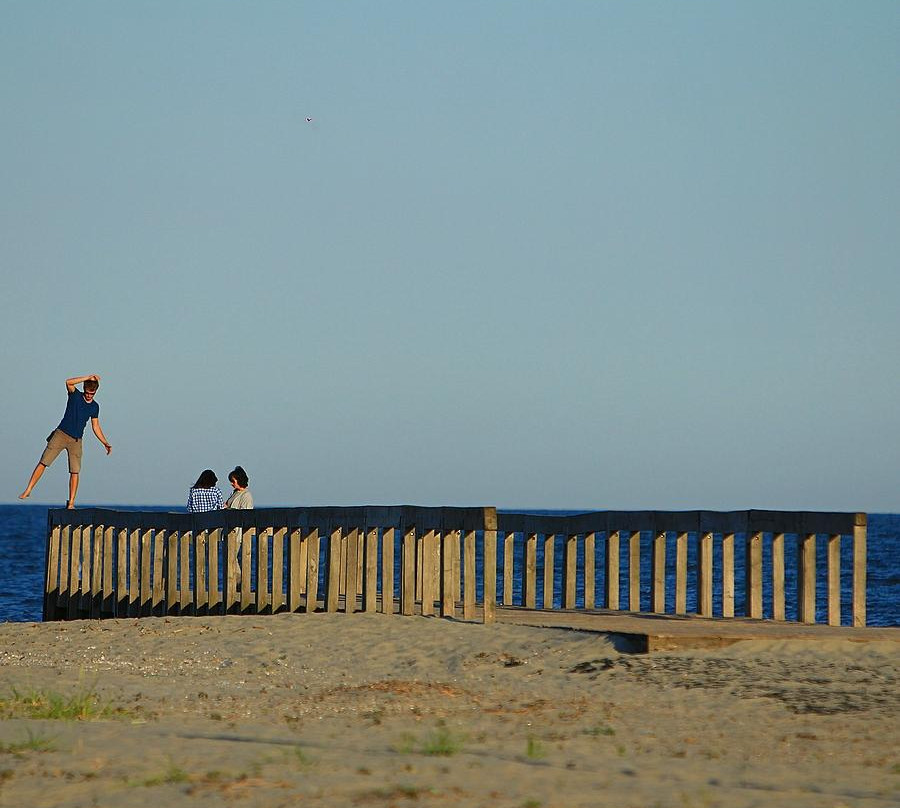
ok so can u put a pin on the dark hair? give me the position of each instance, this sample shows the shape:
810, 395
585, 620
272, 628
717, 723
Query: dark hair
239, 476
91, 385
206, 480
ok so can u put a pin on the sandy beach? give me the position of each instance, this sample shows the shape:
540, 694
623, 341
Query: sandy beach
374, 710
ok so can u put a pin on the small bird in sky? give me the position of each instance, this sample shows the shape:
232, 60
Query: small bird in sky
309, 120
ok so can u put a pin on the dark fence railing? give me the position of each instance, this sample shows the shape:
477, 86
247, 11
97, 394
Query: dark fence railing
451, 561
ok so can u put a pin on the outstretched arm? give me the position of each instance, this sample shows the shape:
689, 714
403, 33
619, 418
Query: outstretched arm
70, 383
95, 425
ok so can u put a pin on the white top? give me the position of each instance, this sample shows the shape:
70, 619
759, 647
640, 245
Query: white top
242, 500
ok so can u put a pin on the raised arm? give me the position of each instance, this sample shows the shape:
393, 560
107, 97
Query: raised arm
95, 425
76, 380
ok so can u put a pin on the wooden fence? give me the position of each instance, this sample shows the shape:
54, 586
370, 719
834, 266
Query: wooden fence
456, 562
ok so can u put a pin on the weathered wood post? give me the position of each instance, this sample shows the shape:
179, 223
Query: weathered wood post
859, 570
489, 565
658, 573
778, 576
753, 575
806, 578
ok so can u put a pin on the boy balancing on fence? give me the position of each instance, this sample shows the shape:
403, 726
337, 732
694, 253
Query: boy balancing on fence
79, 408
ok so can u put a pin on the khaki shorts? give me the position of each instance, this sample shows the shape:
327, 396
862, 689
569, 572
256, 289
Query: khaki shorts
58, 441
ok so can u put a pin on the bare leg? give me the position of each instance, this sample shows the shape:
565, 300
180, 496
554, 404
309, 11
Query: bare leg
73, 489
35, 476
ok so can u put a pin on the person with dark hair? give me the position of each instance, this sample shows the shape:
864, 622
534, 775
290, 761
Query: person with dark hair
241, 498
204, 496
80, 408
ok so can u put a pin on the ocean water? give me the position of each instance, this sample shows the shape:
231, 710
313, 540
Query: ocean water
23, 534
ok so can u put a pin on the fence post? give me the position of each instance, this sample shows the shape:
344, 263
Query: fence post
806, 579
590, 571
612, 570
408, 572
778, 576
834, 580
489, 566
859, 570
704, 574
658, 577
753, 573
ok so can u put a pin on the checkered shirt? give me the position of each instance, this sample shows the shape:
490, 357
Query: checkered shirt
204, 499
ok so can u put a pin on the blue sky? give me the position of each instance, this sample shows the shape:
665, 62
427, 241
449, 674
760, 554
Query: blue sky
577, 255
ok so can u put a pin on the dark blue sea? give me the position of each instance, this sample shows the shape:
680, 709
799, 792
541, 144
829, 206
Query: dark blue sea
23, 534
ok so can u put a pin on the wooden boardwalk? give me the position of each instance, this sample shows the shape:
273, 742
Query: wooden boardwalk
582, 571
646, 633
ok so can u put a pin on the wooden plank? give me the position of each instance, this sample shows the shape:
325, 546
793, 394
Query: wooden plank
569, 570
778, 576
834, 580
509, 541
304, 563
859, 570
65, 550
201, 571
408, 572
84, 600
387, 570
96, 571
469, 575
429, 540
312, 571
134, 573
157, 591
231, 603
419, 566
448, 599
74, 573
704, 574
455, 561
360, 562
489, 567
297, 572
262, 571
51, 579
634, 571
728, 575
681, 554
333, 586
185, 596
108, 605
353, 582
753, 576
278, 599
806, 578
212, 550
121, 572
173, 605
590, 571
549, 564
370, 565
613, 571
342, 581
658, 573
248, 536
436, 567
145, 606
529, 571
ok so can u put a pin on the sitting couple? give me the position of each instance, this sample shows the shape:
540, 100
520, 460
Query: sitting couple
204, 496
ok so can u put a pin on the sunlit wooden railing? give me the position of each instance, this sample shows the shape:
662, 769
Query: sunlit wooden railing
455, 562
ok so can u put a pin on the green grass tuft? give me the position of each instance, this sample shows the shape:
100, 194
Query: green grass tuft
35, 743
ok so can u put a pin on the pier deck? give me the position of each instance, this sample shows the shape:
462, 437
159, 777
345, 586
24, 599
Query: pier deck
649, 632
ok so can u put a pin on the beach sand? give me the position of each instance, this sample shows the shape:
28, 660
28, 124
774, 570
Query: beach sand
375, 710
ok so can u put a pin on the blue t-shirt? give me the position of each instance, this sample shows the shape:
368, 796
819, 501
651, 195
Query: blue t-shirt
78, 411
